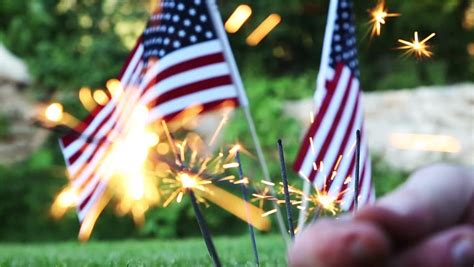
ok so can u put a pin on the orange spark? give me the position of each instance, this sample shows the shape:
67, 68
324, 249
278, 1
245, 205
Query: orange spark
379, 14
419, 48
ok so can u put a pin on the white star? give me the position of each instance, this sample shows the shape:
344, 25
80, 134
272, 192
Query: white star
198, 28
192, 38
209, 34
176, 44
338, 48
171, 29
162, 52
197, 2
166, 41
180, 7
337, 37
192, 11
167, 16
175, 18
187, 22
203, 18
181, 33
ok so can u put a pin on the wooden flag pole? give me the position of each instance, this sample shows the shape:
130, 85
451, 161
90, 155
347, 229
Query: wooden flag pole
204, 230
245, 196
243, 101
285, 188
357, 166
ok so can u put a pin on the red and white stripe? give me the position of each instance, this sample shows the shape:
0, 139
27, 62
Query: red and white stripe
195, 75
327, 156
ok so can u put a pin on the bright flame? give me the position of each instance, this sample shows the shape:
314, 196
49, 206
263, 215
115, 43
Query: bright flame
187, 181
238, 18
54, 112
263, 29
328, 202
379, 14
128, 158
425, 142
419, 48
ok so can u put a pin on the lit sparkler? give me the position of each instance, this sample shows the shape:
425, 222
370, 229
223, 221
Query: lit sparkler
142, 175
379, 15
416, 47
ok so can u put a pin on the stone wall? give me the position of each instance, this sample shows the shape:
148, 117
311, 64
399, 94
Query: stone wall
391, 115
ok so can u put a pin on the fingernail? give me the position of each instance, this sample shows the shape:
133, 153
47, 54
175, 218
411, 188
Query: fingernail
462, 252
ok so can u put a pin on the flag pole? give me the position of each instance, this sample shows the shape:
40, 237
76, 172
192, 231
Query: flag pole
246, 199
243, 101
319, 94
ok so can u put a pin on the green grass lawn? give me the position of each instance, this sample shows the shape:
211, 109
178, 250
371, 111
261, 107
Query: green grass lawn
233, 251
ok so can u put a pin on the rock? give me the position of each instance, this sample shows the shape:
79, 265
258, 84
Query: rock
444, 111
12, 69
18, 137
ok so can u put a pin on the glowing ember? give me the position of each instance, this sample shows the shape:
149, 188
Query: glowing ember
54, 112
237, 18
263, 29
100, 97
379, 15
416, 47
65, 200
114, 87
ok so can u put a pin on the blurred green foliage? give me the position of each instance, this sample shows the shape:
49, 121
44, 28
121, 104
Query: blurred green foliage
69, 44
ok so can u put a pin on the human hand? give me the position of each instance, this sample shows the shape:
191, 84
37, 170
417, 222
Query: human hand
428, 221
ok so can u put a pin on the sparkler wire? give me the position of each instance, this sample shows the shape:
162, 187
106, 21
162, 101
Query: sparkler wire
285, 187
204, 230
245, 196
356, 180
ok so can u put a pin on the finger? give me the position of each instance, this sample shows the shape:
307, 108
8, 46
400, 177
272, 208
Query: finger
453, 247
432, 199
332, 243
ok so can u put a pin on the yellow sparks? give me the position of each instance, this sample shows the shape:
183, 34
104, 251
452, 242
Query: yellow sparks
416, 47
379, 14
219, 128
269, 212
267, 183
231, 165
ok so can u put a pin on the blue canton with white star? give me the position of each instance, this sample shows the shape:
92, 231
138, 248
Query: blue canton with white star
343, 45
177, 24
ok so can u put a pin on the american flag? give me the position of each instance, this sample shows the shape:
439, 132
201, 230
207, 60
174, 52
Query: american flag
327, 156
179, 62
